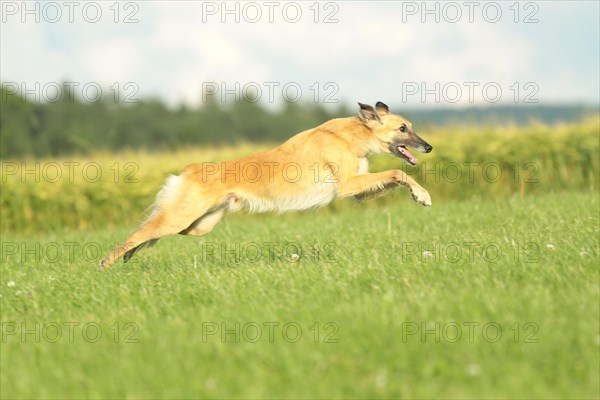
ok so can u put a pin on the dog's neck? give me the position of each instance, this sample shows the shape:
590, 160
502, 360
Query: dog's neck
360, 140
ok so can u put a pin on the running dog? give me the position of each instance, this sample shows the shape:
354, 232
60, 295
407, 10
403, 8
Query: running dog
307, 171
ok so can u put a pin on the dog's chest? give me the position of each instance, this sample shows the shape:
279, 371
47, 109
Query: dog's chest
363, 166
318, 196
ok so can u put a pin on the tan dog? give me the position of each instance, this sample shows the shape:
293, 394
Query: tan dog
309, 170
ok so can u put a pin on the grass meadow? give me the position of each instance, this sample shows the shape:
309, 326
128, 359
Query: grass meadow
491, 293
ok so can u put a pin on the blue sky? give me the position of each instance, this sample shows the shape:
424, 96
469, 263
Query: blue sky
375, 51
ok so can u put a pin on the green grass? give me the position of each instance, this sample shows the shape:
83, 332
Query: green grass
373, 288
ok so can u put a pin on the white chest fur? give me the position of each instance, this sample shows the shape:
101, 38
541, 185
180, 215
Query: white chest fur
319, 195
363, 166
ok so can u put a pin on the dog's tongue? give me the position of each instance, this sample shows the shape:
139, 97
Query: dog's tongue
407, 154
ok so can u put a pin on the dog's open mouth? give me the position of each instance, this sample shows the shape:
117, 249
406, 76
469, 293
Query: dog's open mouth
406, 155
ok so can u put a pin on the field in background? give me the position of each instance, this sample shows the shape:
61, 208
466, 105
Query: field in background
107, 190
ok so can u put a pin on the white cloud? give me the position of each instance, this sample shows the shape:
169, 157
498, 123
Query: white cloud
113, 60
369, 53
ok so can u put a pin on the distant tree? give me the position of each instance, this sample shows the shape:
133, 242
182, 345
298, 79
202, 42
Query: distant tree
73, 125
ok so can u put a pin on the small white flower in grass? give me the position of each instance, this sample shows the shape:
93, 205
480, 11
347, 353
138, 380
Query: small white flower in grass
10, 284
473, 369
210, 383
18, 293
427, 253
381, 381
550, 246
295, 257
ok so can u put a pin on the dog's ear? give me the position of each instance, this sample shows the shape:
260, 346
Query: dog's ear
368, 113
382, 108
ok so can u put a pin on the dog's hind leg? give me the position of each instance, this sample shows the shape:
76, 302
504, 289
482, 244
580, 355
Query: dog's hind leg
127, 256
204, 224
158, 226
199, 227
174, 212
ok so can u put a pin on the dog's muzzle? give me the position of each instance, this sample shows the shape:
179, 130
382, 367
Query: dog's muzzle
402, 152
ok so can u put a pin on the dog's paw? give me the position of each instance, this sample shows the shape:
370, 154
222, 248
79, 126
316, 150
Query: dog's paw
104, 263
421, 195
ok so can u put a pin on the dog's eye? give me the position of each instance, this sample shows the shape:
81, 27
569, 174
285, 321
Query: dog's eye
402, 128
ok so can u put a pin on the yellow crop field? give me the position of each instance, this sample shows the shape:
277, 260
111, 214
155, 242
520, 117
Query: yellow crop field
44, 195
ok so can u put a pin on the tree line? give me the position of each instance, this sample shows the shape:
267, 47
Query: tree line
71, 125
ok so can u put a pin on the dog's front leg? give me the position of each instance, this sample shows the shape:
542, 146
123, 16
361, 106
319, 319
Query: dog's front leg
370, 184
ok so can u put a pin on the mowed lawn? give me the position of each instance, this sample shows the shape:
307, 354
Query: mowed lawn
478, 299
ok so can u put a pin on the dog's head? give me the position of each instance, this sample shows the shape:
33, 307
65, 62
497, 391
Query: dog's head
393, 132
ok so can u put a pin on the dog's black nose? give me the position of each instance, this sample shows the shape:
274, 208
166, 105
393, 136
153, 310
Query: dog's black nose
428, 148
